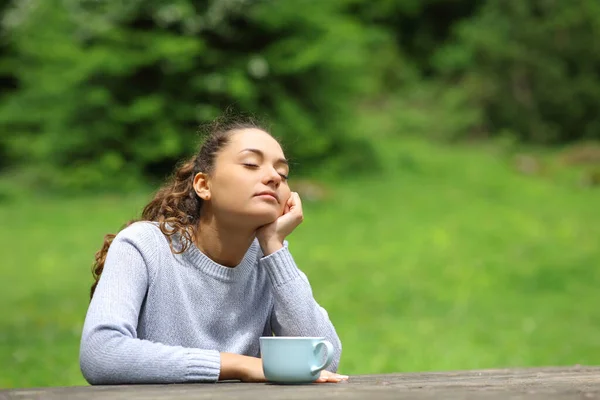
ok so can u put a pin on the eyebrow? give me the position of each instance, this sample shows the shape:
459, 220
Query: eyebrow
260, 153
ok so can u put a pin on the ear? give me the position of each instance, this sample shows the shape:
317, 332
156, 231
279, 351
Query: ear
201, 186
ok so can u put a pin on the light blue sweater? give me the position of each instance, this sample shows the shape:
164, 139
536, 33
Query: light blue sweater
159, 317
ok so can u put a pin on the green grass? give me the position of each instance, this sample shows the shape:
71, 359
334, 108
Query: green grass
445, 260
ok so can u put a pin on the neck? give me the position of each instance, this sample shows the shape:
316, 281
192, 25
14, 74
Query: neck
224, 244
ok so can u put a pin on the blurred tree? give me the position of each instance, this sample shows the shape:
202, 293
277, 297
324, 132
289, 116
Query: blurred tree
416, 100
525, 69
95, 91
419, 27
531, 67
7, 84
115, 90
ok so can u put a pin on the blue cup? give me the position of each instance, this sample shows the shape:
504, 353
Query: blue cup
293, 360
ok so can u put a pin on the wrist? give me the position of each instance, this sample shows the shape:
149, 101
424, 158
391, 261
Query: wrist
234, 366
269, 247
230, 367
240, 367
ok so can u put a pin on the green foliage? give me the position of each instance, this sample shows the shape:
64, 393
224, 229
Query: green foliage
114, 91
447, 259
531, 67
99, 93
419, 27
510, 68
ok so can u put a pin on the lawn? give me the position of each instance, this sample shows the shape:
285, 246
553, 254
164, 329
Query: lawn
446, 259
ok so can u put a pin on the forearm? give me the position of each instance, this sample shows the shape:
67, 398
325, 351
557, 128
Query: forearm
110, 357
295, 311
111, 351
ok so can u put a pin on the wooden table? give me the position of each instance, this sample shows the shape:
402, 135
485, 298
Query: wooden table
539, 383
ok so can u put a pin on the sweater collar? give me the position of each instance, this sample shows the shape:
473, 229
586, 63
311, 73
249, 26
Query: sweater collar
221, 272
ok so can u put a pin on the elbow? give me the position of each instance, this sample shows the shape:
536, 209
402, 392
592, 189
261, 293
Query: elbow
95, 364
336, 342
337, 355
90, 371
93, 376
92, 368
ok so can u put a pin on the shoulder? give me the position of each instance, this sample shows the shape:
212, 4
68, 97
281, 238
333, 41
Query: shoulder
140, 231
145, 239
145, 236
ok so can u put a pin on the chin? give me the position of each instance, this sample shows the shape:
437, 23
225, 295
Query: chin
264, 217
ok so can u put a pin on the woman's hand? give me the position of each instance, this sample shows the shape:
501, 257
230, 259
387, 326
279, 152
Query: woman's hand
271, 236
249, 369
331, 377
252, 371
244, 368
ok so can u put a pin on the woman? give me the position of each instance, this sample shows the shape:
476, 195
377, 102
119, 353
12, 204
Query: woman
185, 293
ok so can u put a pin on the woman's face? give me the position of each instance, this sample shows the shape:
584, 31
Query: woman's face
249, 181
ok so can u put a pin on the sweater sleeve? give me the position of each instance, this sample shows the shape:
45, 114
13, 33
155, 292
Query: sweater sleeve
295, 311
111, 352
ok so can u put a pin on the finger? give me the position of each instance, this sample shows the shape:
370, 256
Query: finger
296, 199
336, 379
331, 377
290, 201
324, 375
296, 205
328, 379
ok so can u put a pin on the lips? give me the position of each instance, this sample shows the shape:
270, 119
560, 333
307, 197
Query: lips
268, 193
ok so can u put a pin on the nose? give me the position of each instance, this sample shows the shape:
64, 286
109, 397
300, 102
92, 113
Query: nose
272, 177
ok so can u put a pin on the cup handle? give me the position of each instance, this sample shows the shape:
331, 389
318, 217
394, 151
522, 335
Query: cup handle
329, 359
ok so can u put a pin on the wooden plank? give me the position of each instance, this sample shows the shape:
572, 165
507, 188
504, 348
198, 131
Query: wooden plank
533, 383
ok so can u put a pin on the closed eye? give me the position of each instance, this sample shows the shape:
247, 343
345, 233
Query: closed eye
254, 166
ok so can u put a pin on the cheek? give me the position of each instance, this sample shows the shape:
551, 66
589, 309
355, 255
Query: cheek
226, 194
229, 184
285, 195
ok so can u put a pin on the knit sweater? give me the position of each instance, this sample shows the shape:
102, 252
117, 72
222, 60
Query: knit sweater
160, 317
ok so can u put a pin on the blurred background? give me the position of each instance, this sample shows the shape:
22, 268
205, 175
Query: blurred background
447, 151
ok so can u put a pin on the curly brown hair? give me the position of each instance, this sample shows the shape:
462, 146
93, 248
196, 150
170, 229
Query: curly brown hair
176, 206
